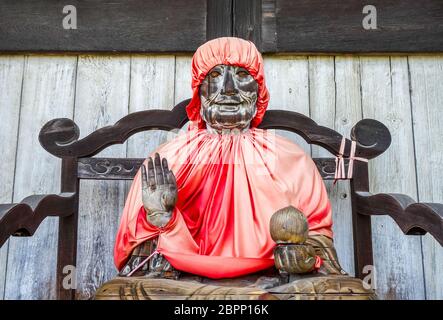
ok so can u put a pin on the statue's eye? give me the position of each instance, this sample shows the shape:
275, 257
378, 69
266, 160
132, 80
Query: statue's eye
214, 74
242, 74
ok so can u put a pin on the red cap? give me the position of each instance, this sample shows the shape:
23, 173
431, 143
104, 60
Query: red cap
228, 51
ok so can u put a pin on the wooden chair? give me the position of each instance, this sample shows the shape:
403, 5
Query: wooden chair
60, 138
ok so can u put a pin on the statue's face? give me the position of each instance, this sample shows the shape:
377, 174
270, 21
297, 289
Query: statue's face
228, 95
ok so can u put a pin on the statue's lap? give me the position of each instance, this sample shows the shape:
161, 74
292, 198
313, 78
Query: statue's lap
260, 286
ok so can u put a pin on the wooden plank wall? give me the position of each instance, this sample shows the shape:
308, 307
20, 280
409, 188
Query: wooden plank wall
405, 93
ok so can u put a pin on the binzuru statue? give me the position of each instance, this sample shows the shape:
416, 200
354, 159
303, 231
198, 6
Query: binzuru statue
227, 210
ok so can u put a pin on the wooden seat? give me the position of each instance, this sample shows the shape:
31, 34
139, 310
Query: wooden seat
330, 282
336, 287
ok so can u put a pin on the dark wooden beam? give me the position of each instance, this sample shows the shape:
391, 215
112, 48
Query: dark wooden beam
219, 19
361, 224
335, 26
67, 230
103, 26
247, 20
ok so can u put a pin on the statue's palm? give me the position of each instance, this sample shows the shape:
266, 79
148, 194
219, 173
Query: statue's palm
159, 191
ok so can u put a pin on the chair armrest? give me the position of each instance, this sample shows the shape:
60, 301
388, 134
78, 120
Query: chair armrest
412, 217
22, 219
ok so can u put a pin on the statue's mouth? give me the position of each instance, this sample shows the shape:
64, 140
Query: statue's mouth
230, 107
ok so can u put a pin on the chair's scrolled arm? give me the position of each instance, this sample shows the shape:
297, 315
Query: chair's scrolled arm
22, 219
412, 217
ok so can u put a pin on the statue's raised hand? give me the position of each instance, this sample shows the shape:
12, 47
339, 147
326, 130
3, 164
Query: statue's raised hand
159, 191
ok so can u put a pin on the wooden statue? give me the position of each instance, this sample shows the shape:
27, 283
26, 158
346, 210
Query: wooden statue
193, 227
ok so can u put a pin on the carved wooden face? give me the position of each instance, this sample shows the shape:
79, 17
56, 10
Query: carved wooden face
228, 95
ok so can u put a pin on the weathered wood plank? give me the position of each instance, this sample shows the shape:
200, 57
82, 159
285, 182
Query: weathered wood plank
11, 80
385, 97
306, 288
48, 92
322, 96
182, 80
102, 98
43, 94
426, 78
347, 113
336, 26
152, 87
287, 81
170, 26
103, 26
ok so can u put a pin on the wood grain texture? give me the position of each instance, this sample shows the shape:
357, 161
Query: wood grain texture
11, 80
182, 78
60, 136
403, 278
182, 81
22, 219
326, 90
104, 26
48, 92
219, 19
385, 96
287, 82
247, 20
307, 26
426, 78
298, 26
347, 112
332, 287
411, 217
152, 87
102, 97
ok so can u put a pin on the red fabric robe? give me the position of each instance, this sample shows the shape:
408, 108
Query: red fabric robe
228, 188
228, 185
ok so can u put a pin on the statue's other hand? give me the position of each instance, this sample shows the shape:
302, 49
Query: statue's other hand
159, 191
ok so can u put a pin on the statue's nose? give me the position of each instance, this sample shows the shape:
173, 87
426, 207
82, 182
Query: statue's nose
229, 87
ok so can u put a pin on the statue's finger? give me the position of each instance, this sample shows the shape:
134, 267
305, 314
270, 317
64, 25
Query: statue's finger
165, 170
165, 165
151, 173
158, 170
144, 177
171, 178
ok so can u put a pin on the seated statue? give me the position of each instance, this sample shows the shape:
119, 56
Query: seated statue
225, 203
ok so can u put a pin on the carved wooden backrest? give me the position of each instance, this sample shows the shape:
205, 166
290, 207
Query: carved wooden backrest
60, 138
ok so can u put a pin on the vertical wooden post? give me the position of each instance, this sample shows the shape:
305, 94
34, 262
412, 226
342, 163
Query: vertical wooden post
247, 21
218, 18
67, 229
361, 224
